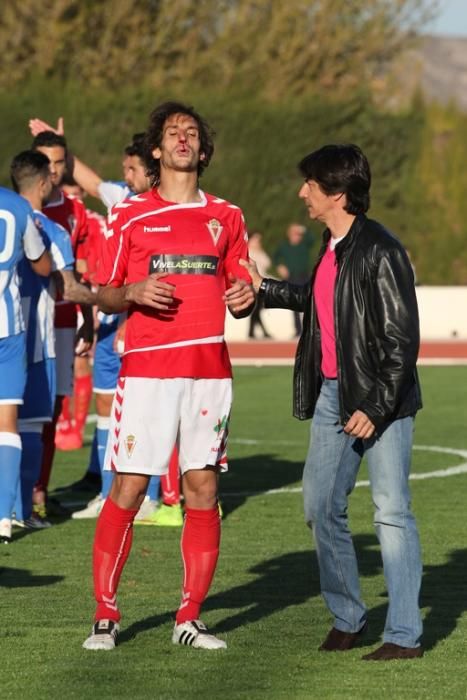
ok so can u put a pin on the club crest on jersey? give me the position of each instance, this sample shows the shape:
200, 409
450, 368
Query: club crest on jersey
129, 442
215, 229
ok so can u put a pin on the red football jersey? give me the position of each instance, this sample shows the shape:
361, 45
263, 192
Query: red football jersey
199, 244
96, 230
70, 213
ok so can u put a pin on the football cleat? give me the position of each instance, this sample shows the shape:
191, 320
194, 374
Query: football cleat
147, 509
92, 510
165, 516
39, 516
103, 636
5, 531
31, 523
195, 634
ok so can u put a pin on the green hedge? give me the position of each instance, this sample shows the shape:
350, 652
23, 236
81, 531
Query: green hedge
417, 156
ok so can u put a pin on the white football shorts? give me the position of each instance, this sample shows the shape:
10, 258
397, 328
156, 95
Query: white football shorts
149, 416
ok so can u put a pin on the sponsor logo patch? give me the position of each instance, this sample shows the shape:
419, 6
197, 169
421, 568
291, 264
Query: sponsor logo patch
184, 264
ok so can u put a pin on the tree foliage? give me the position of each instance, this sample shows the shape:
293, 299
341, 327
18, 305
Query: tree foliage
276, 48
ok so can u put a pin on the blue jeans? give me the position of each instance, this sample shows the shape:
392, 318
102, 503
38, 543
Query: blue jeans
329, 477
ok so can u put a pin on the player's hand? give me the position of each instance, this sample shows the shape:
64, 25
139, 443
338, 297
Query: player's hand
283, 272
252, 268
119, 341
359, 426
240, 296
152, 292
37, 126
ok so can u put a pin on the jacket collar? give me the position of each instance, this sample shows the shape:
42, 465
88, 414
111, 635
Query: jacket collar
349, 239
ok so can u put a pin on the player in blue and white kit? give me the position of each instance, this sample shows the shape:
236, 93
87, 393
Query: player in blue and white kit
106, 358
18, 237
32, 179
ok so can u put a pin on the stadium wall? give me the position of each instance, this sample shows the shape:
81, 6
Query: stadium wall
443, 316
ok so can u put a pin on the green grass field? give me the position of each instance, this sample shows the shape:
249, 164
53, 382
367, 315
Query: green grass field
265, 598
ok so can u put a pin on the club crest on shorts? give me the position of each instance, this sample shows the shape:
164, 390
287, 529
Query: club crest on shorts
129, 442
215, 229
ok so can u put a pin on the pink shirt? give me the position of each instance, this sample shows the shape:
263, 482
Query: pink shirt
323, 293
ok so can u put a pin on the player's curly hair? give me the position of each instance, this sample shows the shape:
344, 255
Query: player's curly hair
154, 134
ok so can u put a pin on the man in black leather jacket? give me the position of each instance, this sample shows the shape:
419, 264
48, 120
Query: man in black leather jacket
355, 374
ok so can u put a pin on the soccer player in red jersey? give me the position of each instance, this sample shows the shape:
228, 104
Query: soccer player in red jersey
71, 214
171, 259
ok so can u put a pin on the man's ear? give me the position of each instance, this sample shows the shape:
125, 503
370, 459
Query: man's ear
202, 156
157, 153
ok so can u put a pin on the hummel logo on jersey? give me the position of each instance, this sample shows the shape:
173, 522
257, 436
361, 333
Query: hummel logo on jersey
184, 264
157, 229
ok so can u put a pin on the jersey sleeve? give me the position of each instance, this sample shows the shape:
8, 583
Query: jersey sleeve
237, 248
81, 231
61, 249
112, 268
112, 193
34, 246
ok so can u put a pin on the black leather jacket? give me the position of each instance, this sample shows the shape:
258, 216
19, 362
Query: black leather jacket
376, 325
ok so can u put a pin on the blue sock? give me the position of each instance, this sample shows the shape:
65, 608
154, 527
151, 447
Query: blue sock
93, 466
10, 460
102, 432
31, 460
107, 479
153, 488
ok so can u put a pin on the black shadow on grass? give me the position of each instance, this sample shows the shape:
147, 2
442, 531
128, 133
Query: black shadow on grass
444, 591
22, 578
281, 582
255, 475
284, 581
148, 623
290, 579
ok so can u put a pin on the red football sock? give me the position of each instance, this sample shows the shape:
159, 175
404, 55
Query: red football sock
200, 550
64, 419
81, 399
170, 483
112, 544
48, 453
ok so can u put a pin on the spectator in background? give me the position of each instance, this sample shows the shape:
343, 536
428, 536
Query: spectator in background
263, 263
292, 261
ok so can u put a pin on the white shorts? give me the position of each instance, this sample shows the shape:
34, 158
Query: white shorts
150, 416
65, 352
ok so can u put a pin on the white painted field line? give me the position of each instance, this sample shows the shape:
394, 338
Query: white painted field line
436, 474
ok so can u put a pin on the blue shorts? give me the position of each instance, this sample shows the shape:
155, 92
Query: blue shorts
106, 360
12, 368
39, 396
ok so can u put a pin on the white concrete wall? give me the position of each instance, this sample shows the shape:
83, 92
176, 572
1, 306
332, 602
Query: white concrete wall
443, 316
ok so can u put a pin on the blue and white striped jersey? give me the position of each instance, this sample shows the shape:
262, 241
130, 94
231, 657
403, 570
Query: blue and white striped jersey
38, 293
18, 237
112, 193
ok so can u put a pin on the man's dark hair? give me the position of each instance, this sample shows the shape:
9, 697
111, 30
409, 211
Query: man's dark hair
136, 147
340, 168
154, 135
48, 139
26, 167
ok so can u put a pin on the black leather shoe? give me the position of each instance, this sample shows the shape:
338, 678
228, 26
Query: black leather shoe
342, 641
